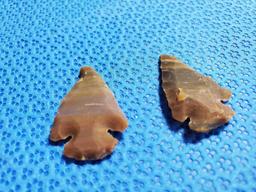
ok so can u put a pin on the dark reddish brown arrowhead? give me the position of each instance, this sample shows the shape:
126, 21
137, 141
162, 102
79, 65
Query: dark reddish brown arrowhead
193, 96
86, 114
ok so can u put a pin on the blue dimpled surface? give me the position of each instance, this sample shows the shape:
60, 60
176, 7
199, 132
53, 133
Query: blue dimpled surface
44, 43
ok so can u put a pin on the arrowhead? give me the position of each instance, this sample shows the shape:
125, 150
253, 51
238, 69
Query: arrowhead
86, 114
194, 96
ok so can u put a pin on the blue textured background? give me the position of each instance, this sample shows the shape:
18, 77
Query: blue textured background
44, 43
